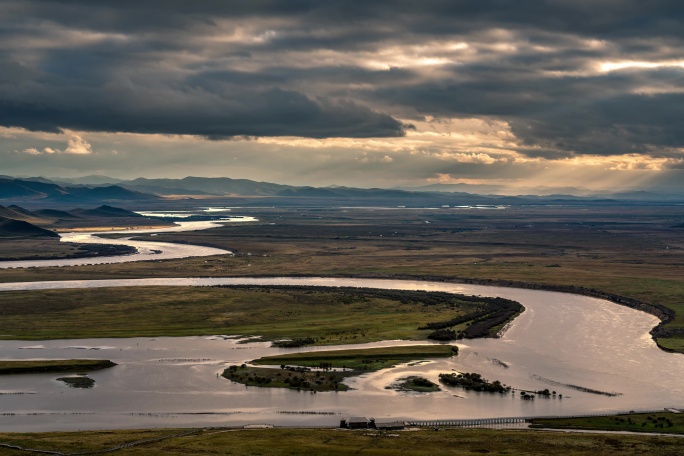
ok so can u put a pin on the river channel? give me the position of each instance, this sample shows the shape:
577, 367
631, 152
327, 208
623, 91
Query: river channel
598, 355
146, 250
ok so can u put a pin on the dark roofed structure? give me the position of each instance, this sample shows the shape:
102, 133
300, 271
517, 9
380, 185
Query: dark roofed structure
358, 422
390, 425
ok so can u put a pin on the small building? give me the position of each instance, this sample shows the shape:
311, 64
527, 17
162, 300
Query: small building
390, 426
357, 422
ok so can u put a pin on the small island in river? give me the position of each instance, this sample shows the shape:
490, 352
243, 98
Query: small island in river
473, 381
78, 381
53, 365
325, 370
415, 384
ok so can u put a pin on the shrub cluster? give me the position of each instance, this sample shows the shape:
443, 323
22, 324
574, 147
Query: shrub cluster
294, 343
495, 312
473, 381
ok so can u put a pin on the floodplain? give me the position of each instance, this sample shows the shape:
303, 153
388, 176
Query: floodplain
631, 250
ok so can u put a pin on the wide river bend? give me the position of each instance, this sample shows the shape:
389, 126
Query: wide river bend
146, 250
579, 346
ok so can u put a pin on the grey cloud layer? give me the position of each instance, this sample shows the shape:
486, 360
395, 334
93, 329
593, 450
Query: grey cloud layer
315, 69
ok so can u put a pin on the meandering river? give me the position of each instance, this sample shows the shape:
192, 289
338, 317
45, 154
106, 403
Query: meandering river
146, 250
578, 346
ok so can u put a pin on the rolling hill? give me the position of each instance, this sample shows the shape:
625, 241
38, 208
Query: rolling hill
54, 214
23, 189
219, 186
38, 190
103, 215
104, 211
10, 228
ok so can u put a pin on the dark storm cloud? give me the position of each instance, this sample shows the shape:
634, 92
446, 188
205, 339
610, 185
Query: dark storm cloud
306, 68
131, 81
601, 115
603, 17
624, 124
166, 110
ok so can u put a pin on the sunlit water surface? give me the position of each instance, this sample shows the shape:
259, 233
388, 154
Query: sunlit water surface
561, 339
145, 250
562, 342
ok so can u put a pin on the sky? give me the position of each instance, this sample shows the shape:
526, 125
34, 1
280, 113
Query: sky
513, 96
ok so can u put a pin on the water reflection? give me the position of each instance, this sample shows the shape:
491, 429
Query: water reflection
560, 339
145, 250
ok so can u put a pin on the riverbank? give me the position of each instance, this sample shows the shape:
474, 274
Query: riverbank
665, 314
54, 249
105, 228
53, 366
319, 315
654, 422
662, 312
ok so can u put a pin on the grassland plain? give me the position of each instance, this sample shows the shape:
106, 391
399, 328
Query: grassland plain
632, 251
369, 359
343, 442
48, 249
662, 422
326, 315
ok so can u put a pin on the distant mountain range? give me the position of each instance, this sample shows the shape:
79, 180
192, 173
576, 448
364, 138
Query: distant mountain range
218, 186
154, 189
499, 190
43, 189
223, 186
104, 189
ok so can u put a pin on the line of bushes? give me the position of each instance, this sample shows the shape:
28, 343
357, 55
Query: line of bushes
497, 311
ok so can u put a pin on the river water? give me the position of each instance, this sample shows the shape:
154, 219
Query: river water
561, 342
145, 250
598, 355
